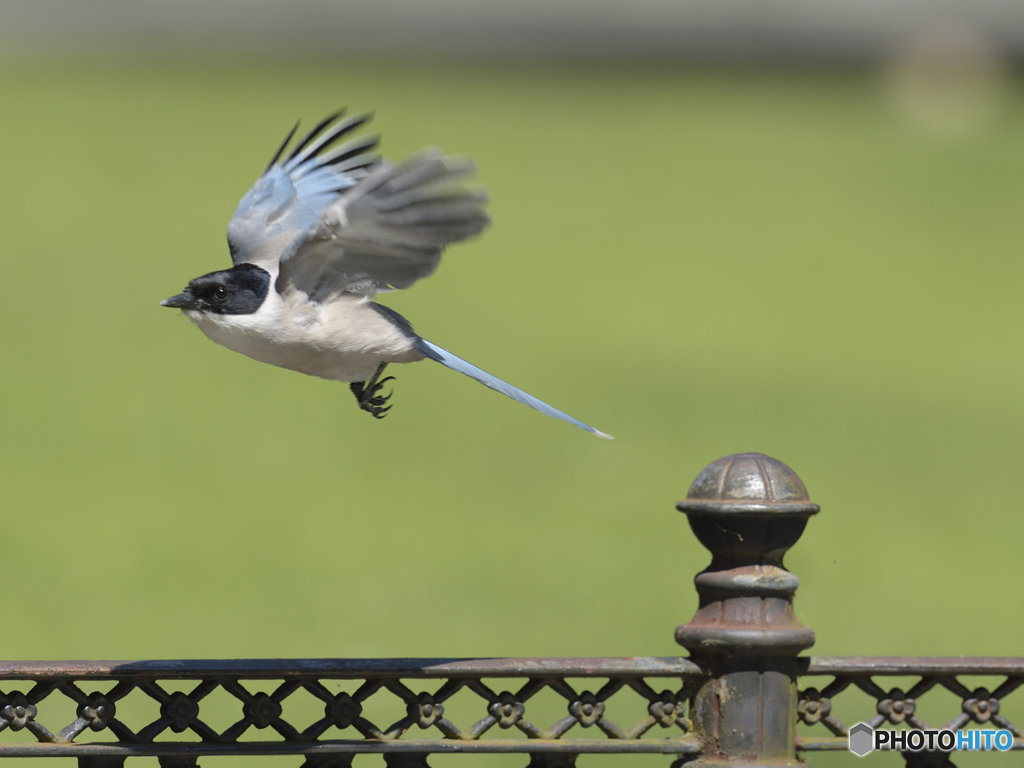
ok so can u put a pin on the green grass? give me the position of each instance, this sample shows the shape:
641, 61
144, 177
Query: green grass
697, 261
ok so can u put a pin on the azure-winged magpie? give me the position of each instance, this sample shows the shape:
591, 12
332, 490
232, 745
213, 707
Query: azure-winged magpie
322, 231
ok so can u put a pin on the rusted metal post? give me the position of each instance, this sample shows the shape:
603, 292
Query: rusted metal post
748, 510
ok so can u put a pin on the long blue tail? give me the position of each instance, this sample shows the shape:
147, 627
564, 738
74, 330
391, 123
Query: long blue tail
446, 358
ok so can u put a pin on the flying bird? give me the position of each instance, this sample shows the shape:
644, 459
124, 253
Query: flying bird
321, 232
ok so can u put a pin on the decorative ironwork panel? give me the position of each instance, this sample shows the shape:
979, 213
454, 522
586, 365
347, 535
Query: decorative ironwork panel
418, 688
895, 707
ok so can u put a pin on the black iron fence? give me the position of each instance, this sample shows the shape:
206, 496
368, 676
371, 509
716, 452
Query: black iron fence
736, 700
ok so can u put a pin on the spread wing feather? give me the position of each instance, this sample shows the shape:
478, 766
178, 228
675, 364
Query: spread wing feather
294, 157
388, 230
336, 219
289, 198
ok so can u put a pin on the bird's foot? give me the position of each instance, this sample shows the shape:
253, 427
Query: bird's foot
366, 393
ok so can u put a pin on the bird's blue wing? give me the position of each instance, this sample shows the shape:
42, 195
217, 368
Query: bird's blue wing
388, 229
332, 219
272, 219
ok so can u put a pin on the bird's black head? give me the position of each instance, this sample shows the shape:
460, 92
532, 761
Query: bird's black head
240, 290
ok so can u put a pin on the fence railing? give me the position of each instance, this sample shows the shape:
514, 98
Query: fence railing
735, 701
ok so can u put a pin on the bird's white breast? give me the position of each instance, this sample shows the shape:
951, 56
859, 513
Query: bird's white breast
344, 339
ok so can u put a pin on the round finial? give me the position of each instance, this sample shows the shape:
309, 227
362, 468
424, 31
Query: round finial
748, 483
748, 510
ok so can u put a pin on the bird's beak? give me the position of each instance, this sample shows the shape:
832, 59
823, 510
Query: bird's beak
184, 300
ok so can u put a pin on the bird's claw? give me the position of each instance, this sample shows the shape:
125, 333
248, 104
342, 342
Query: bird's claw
367, 397
376, 411
375, 405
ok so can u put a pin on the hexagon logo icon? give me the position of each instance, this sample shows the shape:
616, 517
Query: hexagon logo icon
862, 737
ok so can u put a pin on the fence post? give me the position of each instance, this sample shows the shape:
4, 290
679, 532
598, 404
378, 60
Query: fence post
748, 510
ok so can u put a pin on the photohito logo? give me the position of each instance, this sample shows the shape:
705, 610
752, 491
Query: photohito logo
862, 737
865, 739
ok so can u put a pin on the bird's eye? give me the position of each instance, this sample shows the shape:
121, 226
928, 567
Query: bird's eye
220, 293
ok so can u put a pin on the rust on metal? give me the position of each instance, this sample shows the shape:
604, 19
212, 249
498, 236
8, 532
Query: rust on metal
254, 669
913, 665
679, 746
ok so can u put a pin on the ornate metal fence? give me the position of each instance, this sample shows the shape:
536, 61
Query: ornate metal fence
735, 701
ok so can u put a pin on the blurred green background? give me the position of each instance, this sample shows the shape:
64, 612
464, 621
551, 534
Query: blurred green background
698, 260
